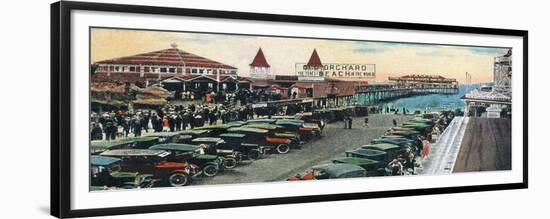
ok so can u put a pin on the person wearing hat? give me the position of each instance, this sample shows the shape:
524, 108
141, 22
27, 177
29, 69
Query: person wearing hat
137, 126
97, 133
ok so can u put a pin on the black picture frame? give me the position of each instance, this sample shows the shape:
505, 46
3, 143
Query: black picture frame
61, 110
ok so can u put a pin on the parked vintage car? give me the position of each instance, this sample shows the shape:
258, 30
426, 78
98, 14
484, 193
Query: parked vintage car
98, 146
415, 145
393, 136
268, 121
208, 164
403, 142
283, 117
165, 137
399, 128
216, 130
262, 138
106, 175
305, 133
406, 134
331, 171
418, 126
215, 146
277, 131
422, 120
235, 141
237, 123
368, 153
154, 162
392, 151
186, 136
373, 167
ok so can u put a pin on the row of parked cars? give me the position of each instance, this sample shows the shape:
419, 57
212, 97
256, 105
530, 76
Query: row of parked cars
177, 158
391, 154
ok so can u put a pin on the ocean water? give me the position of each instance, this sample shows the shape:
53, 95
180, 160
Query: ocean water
432, 102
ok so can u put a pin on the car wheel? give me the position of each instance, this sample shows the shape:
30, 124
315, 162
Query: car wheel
210, 170
283, 149
178, 179
254, 154
230, 163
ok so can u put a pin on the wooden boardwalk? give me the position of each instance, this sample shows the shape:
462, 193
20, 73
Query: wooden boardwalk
486, 146
444, 152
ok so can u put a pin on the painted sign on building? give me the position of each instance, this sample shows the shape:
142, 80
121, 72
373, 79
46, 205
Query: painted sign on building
336, 70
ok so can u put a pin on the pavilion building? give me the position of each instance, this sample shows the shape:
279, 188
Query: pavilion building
173, 69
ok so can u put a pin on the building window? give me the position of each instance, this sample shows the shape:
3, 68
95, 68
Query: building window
215, 71
172, 70
146, 69
201, 71
187, 70
132, 68
210, 85
163, 70
179, 70
111, 68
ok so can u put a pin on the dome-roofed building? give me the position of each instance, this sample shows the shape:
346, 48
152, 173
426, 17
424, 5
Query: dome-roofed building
169, 61
174, 69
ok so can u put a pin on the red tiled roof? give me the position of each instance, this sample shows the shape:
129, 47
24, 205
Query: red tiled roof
169, 57
314, 60
275, 87
259, 60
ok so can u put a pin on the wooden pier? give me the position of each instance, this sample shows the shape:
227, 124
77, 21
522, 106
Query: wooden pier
405, 86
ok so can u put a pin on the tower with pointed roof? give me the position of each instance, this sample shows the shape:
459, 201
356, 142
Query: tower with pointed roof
259, 68
315, 65
314, 60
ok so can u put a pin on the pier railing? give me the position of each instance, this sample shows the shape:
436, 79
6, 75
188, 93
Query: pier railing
375, 93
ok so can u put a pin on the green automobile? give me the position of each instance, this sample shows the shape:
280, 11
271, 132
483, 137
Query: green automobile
373, 167
165, 137
216, 130
215, 146
392, 151
236, 142
142, 142
106, 174
377, 155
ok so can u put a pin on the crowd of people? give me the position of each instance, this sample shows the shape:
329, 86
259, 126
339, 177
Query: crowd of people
114, 124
